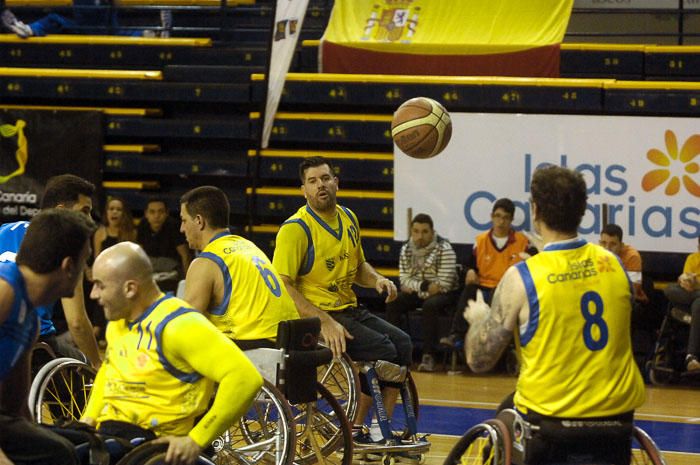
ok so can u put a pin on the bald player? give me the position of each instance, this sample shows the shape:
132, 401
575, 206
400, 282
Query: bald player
163, 358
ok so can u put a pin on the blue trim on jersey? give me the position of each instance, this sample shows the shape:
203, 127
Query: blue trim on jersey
181, 375
139, 330
130, 324
226, 274
220, 235
150, 335
533, 301
351, 216
338, 235
310, 251
568, 245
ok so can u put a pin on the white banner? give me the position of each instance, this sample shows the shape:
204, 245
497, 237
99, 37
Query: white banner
289, 17
645, 169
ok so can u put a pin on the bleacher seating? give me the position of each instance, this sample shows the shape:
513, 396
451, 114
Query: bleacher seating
182, 112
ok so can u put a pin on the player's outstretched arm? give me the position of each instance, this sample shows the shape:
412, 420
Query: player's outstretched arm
80, 326
491, 329
192, 338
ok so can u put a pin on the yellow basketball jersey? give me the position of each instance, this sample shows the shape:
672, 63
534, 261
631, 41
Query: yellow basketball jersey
255, 298
142, 386
576, 349
325, 269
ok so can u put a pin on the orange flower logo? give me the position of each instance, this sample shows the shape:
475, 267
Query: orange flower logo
674, 162
604, 264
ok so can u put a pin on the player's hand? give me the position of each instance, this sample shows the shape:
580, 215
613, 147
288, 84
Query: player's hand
182, 450
386, 284
471, 277
434, 288
334, 334
476, 310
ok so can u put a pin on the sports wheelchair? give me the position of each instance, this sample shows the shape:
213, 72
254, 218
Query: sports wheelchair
504, 441
667, 362
268, 432
264, 434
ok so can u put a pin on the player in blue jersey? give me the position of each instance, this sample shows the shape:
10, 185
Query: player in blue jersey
48, 266
571, 306
72, 193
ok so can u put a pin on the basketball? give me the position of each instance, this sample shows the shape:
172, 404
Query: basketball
421, 127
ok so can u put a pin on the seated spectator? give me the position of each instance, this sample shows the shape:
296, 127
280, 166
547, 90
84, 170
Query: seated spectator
117, 226
611, 239
645, 318
428, 279
160, 237
162, 389
493, 253
89, 17
686, 294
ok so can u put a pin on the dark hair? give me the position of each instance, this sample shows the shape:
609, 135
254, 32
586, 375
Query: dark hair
505, 205
612, 230
210, 202
126, 224
64, 190
312, 162
560, 196
156, 199
422, 218
52, 235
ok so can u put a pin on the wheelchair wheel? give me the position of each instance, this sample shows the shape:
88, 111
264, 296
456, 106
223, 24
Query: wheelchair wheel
398, 421
60, 390
264, 435
648, 453
342, 381
323, 432
154, 454
487, 443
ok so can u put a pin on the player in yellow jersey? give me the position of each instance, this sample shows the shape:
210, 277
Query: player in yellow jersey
319, 255
162, 361
231, 279
572, 306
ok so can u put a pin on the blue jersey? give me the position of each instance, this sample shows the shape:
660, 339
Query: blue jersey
18, 331
11, 235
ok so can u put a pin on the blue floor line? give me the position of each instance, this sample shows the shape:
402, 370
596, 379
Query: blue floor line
679, 437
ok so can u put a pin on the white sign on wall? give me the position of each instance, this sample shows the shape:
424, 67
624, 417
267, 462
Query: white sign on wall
645, 169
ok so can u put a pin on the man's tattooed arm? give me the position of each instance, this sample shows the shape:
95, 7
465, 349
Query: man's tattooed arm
488, 338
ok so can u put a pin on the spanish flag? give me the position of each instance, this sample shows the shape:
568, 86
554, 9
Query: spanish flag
445, 37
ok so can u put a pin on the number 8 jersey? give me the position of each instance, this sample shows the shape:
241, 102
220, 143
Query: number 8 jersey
575, 348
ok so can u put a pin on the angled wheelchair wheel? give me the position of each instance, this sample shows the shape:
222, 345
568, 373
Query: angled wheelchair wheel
264, 435
60, 391
644, 449
323, 432
342, 381
398, 421
487, 443
154, 454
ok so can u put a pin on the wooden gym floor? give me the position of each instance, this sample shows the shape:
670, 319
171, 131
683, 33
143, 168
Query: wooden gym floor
450, 404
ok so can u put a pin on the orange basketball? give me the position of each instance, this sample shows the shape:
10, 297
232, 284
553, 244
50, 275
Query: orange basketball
421, 127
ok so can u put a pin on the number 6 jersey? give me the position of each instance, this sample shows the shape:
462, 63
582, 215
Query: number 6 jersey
255, 298
576, 348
